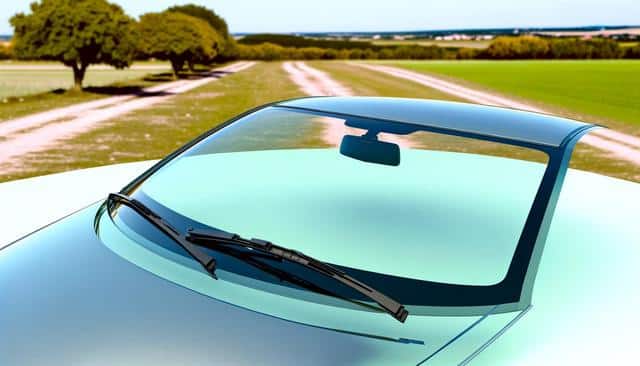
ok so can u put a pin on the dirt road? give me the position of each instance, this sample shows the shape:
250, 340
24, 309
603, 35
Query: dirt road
318, 83
43, 130
620, 145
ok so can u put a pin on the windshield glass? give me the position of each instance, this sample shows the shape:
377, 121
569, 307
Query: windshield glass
450, 213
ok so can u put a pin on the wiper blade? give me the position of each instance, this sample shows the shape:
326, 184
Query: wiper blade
207, 261
217, 240
251, 258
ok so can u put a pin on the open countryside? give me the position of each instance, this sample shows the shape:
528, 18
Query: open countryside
18, 79
597, 91
151, 99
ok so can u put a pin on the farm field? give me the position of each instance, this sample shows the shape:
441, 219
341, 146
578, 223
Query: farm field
605, 92
367, 82
155, 132
21, 79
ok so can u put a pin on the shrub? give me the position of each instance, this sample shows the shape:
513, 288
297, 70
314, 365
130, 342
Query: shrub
633, 52
524, 47
466, 53
6, 51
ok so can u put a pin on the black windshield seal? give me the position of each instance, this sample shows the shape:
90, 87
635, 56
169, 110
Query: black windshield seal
514, 291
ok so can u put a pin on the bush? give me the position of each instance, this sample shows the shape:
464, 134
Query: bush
507, 48
286, 40
6, 52
604, 48
524, 47
529, 47
633, 52
467, 53
566, 48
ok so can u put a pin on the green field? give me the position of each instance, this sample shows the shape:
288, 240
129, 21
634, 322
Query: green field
155, 132
21, 82
367, 82
605, 92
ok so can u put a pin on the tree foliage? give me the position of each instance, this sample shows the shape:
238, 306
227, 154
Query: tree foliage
287, 40
77, 33
215, 21
178, 38
530, 47
273, 52
524, 47
227, 43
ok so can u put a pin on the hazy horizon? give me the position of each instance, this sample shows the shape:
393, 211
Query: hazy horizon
289, 16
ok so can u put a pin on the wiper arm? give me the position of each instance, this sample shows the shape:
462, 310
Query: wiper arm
207, 261
251, 258
219, 239
216, 239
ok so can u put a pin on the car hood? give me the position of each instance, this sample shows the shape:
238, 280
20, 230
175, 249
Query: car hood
68, 299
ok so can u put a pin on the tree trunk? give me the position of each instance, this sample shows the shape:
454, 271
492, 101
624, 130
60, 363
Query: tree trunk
78, 75
176, 65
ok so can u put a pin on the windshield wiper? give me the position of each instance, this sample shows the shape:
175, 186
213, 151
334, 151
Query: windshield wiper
221, 240
207, 261
213, 239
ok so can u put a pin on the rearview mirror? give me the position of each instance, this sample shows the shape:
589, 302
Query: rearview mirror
370, 150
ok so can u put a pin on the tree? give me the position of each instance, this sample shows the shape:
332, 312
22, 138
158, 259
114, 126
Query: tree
227, 43
176, 37
215, 21
77, 33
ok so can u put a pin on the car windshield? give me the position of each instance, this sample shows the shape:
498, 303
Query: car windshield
449, 214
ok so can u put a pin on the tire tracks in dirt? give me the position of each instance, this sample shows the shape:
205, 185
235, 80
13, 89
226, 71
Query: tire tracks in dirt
44, 130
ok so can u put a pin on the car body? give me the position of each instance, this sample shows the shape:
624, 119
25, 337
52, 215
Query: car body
457, 237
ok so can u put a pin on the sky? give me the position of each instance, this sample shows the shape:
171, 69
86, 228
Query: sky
288, 16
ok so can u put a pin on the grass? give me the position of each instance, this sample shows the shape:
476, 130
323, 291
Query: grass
155, 132
16, 83
605, 92
21, 106
51, 93
14, 107
367, 82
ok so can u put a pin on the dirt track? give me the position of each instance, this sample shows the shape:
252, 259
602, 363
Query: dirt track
622, 146
318, 83
43, 130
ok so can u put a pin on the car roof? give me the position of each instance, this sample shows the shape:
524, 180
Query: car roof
521, 126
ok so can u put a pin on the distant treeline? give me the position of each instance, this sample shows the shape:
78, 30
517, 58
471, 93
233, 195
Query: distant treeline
281, 47
287, 40
272, 52
530, 47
